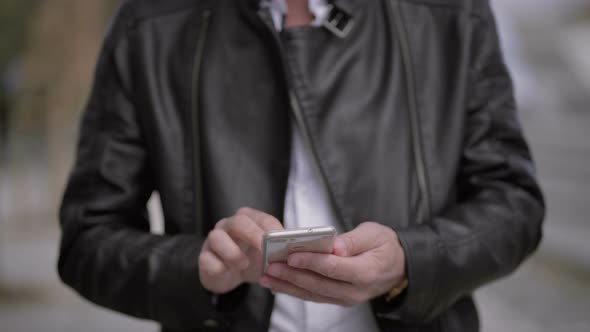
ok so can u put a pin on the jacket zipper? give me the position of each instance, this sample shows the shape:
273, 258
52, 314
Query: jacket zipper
300, 119
195, 112
303, 128
424, 210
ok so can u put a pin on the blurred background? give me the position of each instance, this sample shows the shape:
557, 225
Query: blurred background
47, 54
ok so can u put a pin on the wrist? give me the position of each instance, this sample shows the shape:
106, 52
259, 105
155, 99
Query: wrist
400, 266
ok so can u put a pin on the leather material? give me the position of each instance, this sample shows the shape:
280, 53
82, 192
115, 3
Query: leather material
137, 136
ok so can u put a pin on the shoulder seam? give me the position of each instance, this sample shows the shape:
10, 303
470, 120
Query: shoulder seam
131, 13
471, 5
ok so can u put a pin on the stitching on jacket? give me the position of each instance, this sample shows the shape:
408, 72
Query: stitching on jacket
459, 4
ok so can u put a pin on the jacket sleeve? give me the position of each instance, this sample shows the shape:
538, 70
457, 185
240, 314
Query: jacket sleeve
496, 222
107, 253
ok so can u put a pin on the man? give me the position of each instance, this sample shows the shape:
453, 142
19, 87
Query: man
392, 120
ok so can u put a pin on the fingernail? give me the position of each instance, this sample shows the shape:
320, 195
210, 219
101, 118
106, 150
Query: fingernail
273, 270
294, 261
339, 247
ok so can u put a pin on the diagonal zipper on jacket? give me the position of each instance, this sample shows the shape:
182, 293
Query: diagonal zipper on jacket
304, 129
425, 210
195, 113
300, 119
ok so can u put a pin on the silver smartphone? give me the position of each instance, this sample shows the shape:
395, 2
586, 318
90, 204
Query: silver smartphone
277, 245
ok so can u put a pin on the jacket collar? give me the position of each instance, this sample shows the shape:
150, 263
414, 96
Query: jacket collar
348, 6
252, 11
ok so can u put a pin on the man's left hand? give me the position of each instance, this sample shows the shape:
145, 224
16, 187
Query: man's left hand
366, 262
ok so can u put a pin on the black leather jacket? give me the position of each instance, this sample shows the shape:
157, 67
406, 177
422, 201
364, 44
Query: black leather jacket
410, 117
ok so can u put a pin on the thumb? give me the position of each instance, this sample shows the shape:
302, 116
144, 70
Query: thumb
363, 238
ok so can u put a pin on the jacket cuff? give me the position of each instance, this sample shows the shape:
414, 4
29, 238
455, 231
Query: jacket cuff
421, 249
195, 307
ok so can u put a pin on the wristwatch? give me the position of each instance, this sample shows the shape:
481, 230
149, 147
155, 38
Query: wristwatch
397, 290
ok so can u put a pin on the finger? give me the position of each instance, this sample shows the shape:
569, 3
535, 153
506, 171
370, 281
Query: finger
284, 287
317, 284
347, 269
210, 265
264, 220
242, 227
227, 250
221, 224
363, 238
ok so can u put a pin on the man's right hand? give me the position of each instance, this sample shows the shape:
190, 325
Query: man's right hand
232, 252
